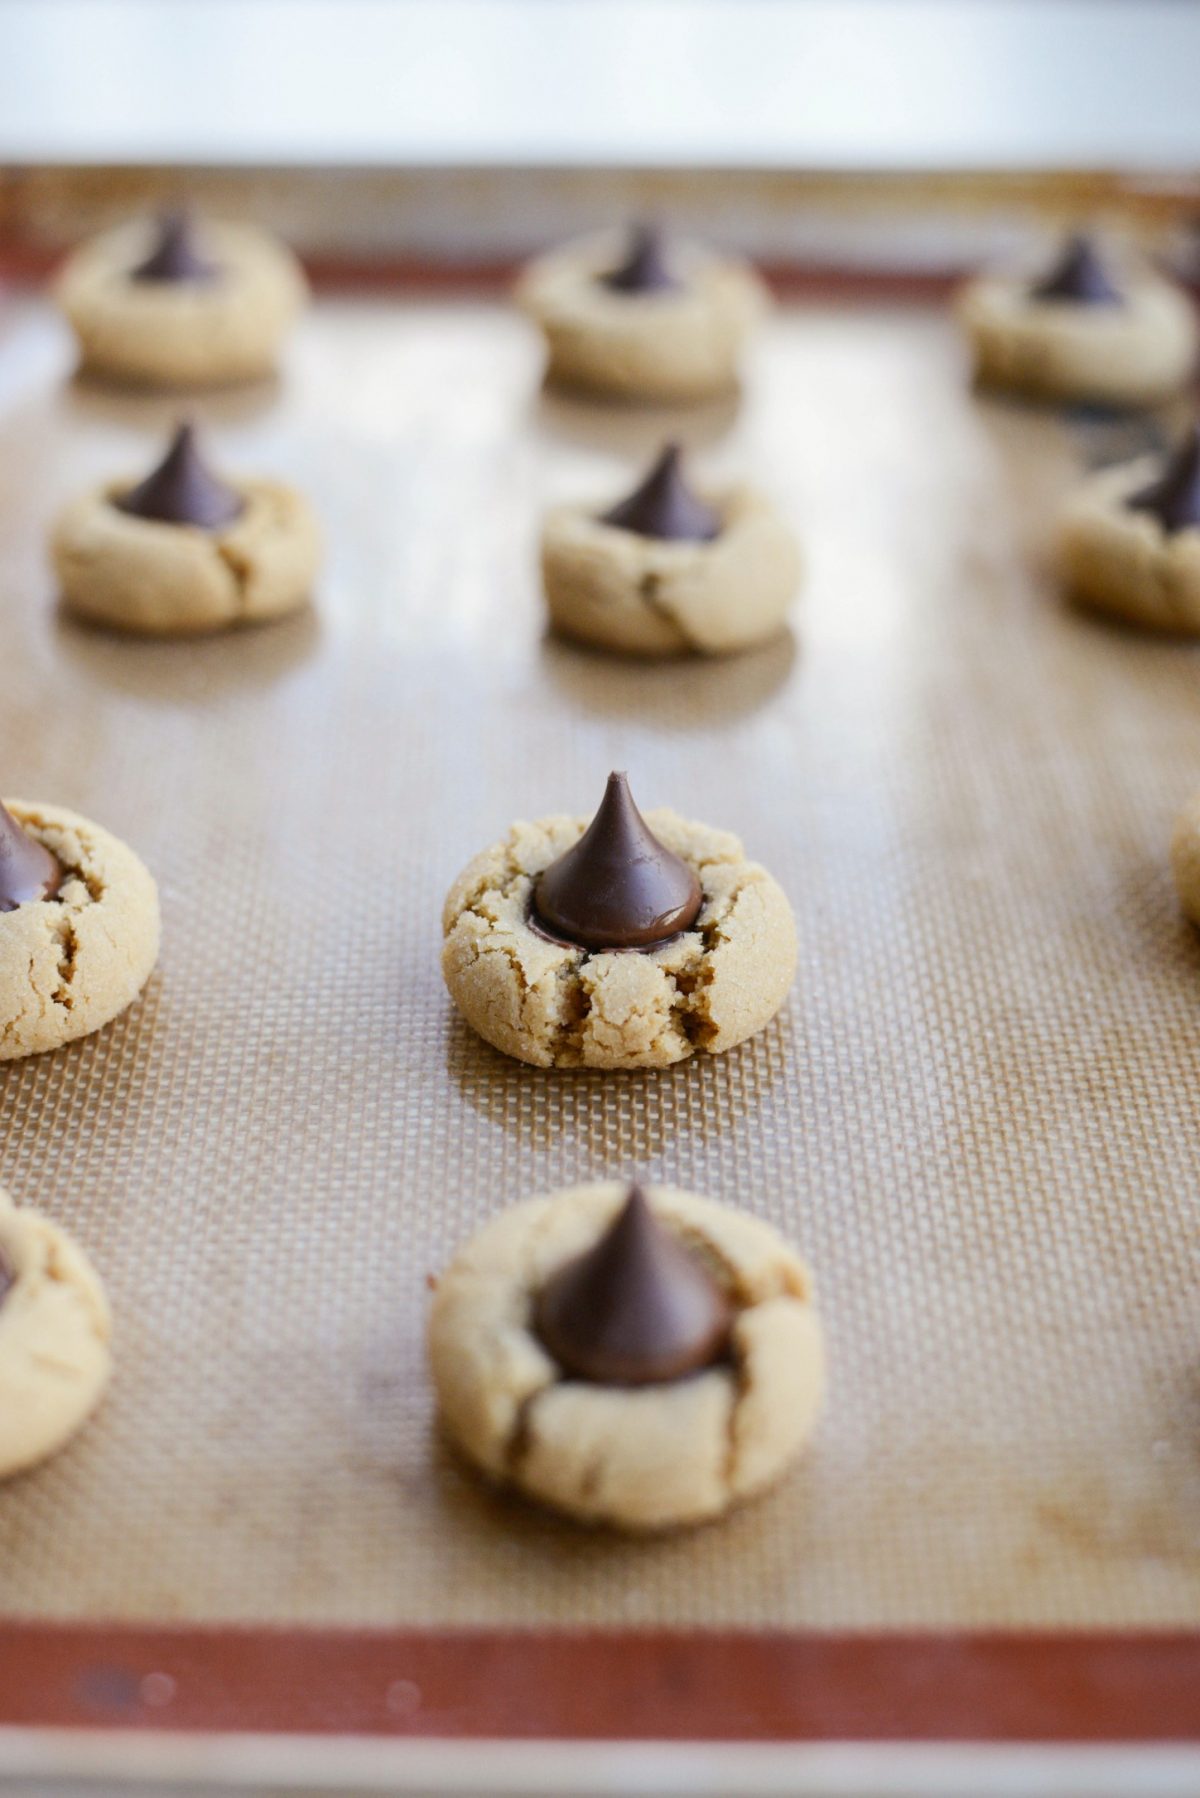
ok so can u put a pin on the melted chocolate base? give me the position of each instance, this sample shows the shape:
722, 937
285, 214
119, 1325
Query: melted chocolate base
565, 942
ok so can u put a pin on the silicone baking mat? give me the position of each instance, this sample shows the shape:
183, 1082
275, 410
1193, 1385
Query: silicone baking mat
976, 1115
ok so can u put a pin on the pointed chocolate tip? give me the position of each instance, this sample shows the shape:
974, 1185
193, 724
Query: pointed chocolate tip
1174, 497
663, 505
618, 887
1080, 275
28, 871
175, 256
646, 268
183, 489
636, 1309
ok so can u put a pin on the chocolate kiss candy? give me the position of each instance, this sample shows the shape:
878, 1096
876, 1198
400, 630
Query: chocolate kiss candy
1174, 498
175, 256
665, 506
619, 887
644, 269
1079, 275
28, 871
8, 1277
183, 489
635, 1309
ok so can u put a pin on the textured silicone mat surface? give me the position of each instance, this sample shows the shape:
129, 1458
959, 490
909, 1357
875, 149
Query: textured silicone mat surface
977, 1115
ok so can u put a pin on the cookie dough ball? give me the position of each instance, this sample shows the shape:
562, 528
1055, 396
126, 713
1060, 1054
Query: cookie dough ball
1130, 540
184, 551
79, 927
639, 321
54, 1337
176, 306
665, 572
626, 943
1125, 337
642, 1359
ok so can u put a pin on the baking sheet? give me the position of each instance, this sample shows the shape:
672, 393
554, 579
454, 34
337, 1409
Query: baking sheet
976, 1115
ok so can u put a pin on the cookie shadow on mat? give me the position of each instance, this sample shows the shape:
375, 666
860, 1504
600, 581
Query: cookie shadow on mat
629, 428
573, 1559
644, 1121
158, 410
679, 693
189, 670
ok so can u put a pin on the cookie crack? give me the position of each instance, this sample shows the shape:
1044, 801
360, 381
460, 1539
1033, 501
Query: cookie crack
649, 590
689, 1007
689, 1010
488, 887
507, 947
520, 1435
497, 939
240, 570
75, 869
591, 1480
11, 1028
740, 1378
574, 1010
54, 1365
725, 1272
68, 956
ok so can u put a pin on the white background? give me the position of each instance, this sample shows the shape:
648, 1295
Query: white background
815, 84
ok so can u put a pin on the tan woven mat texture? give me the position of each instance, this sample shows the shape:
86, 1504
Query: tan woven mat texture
978, 1114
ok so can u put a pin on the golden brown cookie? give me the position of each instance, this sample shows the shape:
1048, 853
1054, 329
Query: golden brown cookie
1125, 339
54, 1338
79, 931
1130, 540
223, 321
645, 588
647, 1454
677, 338
197, 555
720, 975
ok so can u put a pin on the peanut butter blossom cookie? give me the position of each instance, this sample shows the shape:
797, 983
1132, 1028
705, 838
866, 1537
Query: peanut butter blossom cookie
54, 1334
1086, 330
181, 304
1130, 540
642, 319
639, 1358
624, 943
185, 550
667, 571
79, 927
